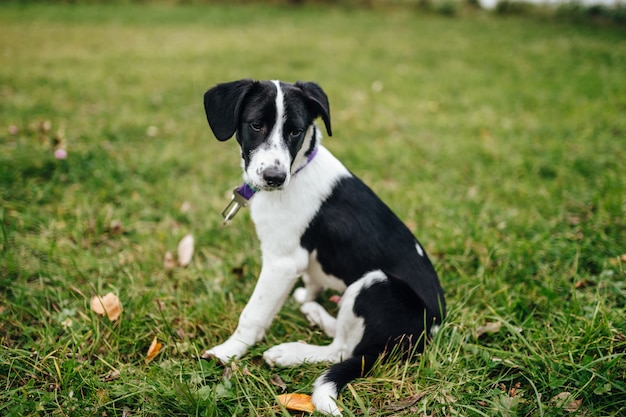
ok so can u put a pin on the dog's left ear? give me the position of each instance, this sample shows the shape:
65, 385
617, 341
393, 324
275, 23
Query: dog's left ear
222, 104
318, 101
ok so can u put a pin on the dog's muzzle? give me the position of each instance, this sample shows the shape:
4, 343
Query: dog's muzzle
274, 177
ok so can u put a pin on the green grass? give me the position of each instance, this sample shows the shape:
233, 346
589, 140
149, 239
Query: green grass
500, 141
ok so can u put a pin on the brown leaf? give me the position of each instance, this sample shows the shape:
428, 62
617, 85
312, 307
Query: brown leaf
583, 283
278, 381
513, 390
566, 401
185, 250
573, 406
109, 305
297, 402
153, 350
489, 327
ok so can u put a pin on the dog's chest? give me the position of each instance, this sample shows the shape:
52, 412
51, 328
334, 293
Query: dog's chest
281, 217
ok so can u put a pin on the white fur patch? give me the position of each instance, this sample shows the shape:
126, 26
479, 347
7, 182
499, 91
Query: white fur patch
420, 251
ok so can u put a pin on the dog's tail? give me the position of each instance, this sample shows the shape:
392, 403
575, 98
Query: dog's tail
328, 385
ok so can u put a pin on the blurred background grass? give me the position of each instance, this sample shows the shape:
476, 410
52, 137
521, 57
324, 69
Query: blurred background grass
499, 140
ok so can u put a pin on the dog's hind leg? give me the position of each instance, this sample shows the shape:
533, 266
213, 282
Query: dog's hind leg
348, 329
348, 333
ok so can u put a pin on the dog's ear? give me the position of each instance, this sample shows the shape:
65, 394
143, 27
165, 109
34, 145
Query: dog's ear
318, 101
222, 104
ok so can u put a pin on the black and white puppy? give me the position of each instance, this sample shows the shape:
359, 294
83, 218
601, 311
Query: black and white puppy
317, 221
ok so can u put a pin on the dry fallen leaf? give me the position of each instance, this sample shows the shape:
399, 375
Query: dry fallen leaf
153, 350
583, 283
109, 305
566, 401
185, 250
278, 381
297, 402
490, 327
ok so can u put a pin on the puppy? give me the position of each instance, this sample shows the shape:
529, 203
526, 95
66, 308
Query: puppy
317, 221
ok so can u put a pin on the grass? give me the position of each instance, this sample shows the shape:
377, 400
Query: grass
500, 141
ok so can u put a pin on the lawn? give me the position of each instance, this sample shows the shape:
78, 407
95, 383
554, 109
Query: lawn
501, 141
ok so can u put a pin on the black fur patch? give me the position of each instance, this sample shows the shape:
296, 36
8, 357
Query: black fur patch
354, 233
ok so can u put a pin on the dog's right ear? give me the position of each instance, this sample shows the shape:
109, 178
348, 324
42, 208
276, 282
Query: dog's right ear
222, 104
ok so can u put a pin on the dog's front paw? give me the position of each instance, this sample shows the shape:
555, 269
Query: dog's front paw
213, 353
225, 352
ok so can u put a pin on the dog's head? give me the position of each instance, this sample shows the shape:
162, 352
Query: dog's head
273, 122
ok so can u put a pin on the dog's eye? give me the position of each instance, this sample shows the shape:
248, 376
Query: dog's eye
295, 132
257, 126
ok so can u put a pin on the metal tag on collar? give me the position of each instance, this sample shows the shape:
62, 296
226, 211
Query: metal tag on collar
236, 202
240, 198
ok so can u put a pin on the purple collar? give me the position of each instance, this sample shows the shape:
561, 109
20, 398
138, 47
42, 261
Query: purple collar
308, 160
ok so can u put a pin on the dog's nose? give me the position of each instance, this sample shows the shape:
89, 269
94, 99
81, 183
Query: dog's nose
274, 177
